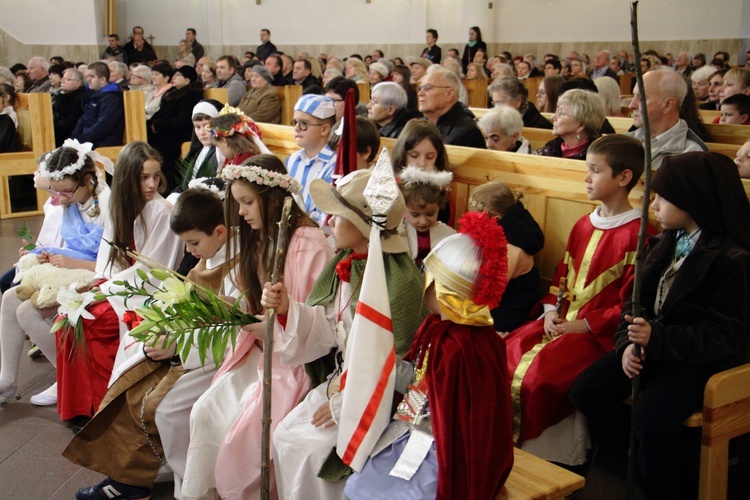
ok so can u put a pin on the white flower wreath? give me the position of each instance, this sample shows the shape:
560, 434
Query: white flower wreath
262, 177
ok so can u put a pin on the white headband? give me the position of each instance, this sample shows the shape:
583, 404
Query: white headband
84, 150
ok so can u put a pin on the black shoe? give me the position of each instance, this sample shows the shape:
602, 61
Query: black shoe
109, 489
78, 423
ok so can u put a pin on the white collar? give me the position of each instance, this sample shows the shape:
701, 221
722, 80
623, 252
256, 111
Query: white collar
604, 223
218, 259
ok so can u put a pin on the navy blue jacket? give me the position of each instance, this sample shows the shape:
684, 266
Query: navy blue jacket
103, 120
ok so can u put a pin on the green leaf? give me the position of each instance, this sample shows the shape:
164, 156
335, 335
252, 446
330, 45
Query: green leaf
29, 247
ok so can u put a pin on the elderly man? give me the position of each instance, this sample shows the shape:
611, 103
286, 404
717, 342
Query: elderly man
533, 69
682, 64
438, 102
274, 65
226, 72
103, 120
600, 66
266, 48
302, 75
387, 108
418, 68
38, 72
195, 47
140, 53
118, 73
66, 106
114, 51
665, 91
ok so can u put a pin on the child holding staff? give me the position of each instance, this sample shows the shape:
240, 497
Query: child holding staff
306, 462
258, 189
695, 317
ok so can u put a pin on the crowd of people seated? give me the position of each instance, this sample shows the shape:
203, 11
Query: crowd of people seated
219, 222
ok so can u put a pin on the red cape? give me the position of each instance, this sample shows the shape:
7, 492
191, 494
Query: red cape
469, 397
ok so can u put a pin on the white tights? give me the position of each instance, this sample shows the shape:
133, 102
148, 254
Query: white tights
17, 317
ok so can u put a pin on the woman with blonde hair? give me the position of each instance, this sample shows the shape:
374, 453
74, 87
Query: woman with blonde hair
609, 93
576, 123
186, 53
354, 69
208, 75
315, 71
475, 71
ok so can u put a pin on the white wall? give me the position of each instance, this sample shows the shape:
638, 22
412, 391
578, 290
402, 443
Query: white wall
52, 22
295, 22
594, 20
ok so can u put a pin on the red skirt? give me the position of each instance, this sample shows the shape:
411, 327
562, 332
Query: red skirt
83, 371
541, 374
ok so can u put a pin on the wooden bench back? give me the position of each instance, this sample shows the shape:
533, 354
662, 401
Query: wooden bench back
364, 92
37, 136
553, 188
477, 90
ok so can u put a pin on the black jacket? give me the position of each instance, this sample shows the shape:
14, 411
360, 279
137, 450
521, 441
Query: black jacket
265, 50
434, 54
534, 119
66, 111
704, 319
8, 135
394, 128
103, 118
458, 129
522, 292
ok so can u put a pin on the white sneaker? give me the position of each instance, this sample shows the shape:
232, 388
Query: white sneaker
46, 398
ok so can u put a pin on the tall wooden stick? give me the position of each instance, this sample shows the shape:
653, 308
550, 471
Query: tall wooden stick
637, 310
278, 266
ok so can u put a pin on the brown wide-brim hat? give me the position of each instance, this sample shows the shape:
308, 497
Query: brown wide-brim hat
347, 200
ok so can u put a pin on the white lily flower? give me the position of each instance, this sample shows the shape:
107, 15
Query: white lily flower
73, 304
175, 291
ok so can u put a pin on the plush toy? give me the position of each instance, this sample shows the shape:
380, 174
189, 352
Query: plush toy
41, 282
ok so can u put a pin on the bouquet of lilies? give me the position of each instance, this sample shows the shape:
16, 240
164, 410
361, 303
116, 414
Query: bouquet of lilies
176, 311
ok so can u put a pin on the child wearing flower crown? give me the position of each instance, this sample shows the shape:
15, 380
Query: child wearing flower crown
694, 324
425, 193
236, 136
139, 218
138, 397
525, 239
456, 414
225, 423
316, 331
71, 174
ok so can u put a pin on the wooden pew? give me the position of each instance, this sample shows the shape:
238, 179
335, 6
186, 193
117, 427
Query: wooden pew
708, 116
477, 90
364, 92
626, 80
288, 96
37, 136
532, 477
221, 95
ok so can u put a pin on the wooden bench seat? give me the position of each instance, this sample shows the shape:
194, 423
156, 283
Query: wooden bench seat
533, 477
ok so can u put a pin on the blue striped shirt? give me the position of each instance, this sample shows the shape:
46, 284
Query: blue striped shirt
304, 170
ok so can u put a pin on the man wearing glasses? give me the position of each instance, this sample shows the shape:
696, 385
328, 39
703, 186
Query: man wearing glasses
314, 115
438, 102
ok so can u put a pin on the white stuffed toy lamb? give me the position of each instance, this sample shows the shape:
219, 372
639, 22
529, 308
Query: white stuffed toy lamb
41, 282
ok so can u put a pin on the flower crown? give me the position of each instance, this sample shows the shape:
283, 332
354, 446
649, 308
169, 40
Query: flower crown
246, 126
261, 176
58, 175
213, 184
417, 175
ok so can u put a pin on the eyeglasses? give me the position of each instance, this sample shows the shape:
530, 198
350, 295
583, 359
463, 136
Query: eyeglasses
65, 194
303, 125
560, 113
540, 91
428, 86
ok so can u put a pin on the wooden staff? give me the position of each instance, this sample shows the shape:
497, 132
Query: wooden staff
278, 266
637, 310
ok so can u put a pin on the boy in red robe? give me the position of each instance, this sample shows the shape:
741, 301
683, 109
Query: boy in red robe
578, 323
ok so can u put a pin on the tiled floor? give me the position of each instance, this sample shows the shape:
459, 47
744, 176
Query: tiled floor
32, 438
